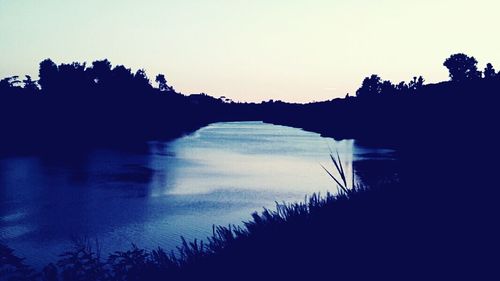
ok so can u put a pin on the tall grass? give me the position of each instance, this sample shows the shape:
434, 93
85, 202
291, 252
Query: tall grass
341, 180
84, 261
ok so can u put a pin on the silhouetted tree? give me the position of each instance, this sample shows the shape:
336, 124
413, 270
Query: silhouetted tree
402, 87
122, 79
489, 71
416, 83
387, 88
4, 85
162, 82
420, 81
371, 86
48, 75
9, 82
73, 77
121, 73
100, 72
462, 67
30, 84
141, 80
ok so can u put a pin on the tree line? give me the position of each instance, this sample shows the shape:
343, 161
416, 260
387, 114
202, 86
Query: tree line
101, 76
77, 77
100, 102
461, 67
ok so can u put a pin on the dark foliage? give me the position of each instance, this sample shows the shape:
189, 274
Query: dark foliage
462, 67
95, 105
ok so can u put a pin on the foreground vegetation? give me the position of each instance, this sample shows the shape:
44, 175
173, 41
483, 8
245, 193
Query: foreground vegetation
227, 247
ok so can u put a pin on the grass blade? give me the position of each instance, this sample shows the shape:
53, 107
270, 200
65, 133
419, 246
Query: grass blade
335, 179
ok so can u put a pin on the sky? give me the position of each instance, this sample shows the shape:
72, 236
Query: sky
253, 50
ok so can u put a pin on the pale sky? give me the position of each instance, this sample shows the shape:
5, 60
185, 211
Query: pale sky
253, 50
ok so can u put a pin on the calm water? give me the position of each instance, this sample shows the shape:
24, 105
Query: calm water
217, 175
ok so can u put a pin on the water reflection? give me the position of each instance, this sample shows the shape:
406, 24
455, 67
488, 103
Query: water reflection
218, 175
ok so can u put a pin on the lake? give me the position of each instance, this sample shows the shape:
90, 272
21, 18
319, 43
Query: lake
219, 175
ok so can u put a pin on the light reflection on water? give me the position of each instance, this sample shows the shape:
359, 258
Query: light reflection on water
217, 175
